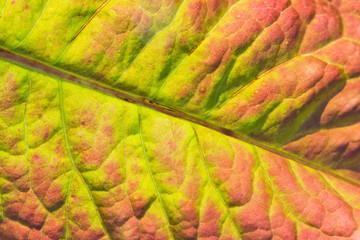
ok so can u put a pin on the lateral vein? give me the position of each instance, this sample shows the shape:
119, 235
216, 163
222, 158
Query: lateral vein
62, 112
153, 178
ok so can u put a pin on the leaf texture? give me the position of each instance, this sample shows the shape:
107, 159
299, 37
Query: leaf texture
281, 77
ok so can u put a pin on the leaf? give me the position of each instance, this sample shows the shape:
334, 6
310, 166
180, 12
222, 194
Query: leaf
243, 121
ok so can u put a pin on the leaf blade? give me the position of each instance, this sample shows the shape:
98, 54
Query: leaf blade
313, 88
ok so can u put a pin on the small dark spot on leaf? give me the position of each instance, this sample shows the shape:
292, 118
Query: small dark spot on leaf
227, 132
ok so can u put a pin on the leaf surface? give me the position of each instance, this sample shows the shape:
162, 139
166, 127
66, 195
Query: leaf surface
244, 122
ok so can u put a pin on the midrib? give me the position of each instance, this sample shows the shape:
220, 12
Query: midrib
39, 66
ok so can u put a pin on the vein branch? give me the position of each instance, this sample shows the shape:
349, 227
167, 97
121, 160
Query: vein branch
75, 169
149, 41
215, 188
5, 4
125, 168
66, 204
32, 29
89, 20
273, 185
25, 133
152, 177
